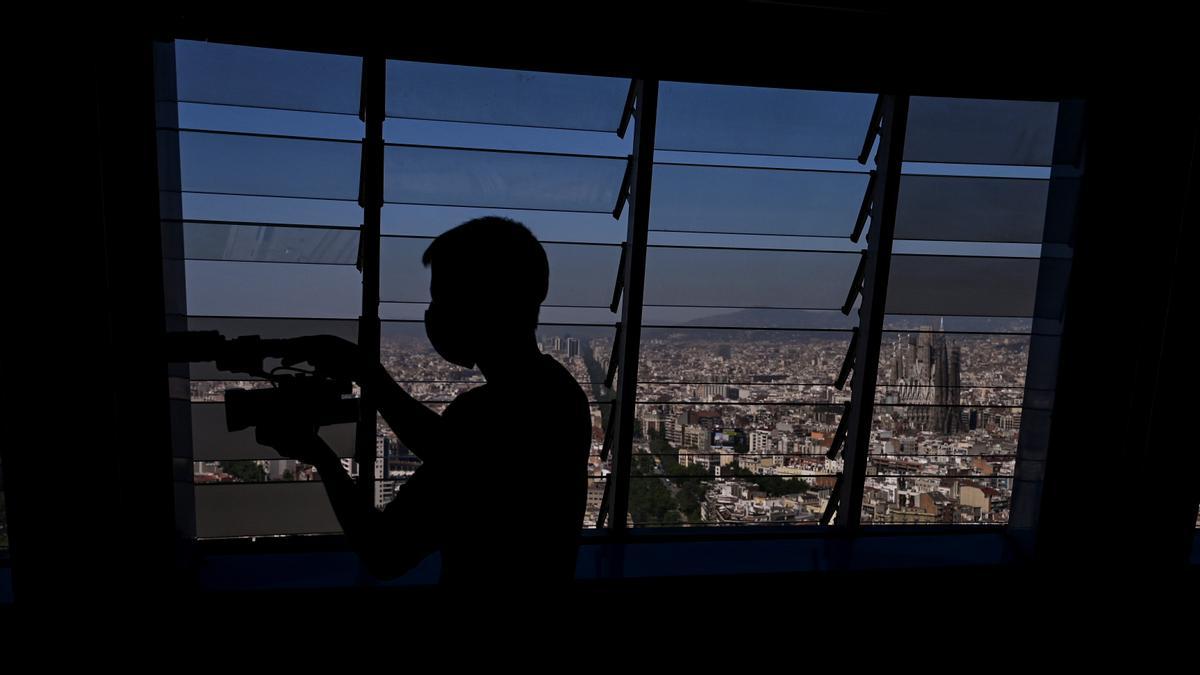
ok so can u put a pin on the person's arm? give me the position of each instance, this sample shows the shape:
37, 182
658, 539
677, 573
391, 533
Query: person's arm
389, 542
420, 429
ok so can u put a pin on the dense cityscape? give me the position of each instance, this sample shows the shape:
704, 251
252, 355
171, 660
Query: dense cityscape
736, 431
733, 427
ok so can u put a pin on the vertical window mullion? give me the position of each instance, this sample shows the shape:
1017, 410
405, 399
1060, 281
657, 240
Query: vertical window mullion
872, 309
374, 79
635, 277
174, 274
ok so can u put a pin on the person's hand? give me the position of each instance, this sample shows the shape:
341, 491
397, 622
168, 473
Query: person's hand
330, 355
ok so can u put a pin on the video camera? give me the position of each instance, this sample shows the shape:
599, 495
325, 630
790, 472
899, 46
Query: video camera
303, 394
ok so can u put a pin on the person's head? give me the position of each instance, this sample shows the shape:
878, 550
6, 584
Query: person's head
489, 278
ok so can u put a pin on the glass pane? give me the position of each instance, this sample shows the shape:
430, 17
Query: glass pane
262, 243
755, 201
958, 208
271, 122
947, 323
212, 440
268, 166
515, 180
248, 208
262, 290
580, 274
748, 278
435, 91
209, 72
927, 284
283, 327
655, 316
430, 221
232, 327
976, 131
579, 318
754, 240
263, 509
762, 121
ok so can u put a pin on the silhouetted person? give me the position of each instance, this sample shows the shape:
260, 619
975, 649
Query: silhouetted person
502, 487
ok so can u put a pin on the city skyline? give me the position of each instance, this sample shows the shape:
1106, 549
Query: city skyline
952, 467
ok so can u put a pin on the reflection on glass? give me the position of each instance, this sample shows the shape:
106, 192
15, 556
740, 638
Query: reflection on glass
978, 131
761, 121
511, 180
267, 166
210, 72
450, 93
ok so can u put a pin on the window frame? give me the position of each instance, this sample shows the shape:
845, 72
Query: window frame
644, 89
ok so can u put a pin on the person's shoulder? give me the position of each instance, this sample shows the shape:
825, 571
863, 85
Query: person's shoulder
561, 379
469, 399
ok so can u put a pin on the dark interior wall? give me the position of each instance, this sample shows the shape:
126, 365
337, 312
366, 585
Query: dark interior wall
90, 378
1122, 474
995, 51
87, 465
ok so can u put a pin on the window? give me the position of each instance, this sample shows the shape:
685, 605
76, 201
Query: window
262, 233
266, 238
755, 194
973, 310
828, 306
540, 148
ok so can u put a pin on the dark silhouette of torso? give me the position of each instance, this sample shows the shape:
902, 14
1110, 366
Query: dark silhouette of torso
504, 497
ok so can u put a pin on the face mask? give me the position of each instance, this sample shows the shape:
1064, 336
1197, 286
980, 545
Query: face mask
448, 337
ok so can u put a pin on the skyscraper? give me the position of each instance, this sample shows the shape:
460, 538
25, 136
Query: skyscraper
714, 386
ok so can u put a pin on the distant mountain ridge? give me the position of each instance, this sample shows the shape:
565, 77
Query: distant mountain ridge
749, 320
